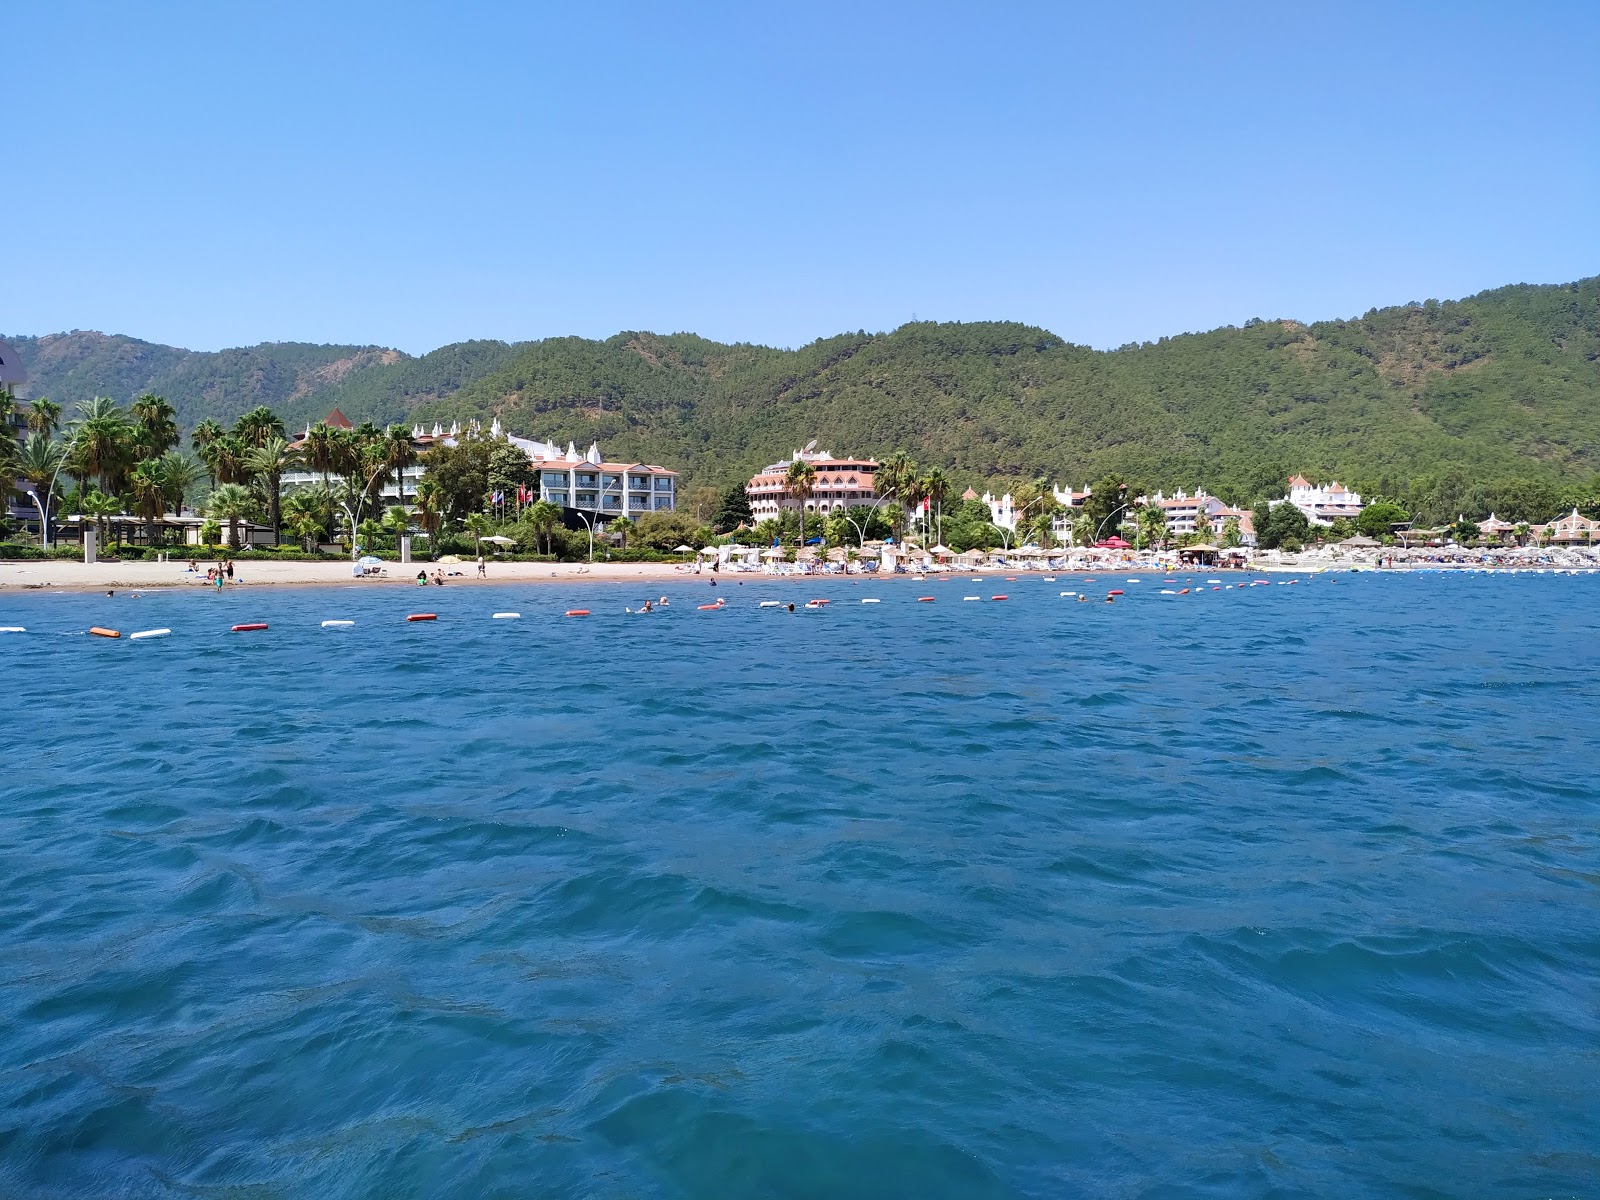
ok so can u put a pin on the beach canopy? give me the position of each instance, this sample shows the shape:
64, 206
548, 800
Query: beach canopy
1359, 542
683, 550
367, 560
941, 548
1113, 543
773, 553
499, 539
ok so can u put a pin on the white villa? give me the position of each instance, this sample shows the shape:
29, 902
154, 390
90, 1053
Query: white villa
1322, 505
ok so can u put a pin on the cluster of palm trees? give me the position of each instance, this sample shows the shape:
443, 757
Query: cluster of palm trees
898, 476
123, 459
129, 460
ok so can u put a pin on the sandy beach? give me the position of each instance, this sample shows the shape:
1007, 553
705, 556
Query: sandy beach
63, 575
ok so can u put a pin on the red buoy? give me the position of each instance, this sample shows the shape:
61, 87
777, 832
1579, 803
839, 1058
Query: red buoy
415, 617
1115, 592
251, 626
924, 599
577, 612
999, 597
101, 631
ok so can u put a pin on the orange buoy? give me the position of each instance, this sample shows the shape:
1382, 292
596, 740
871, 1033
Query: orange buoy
701, 607
1115, 592
584, 612
250, 627
999, 597
1183, 591
98, 631
415, 617
924, 599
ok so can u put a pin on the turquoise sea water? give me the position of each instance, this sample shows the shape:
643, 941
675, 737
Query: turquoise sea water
1278, 891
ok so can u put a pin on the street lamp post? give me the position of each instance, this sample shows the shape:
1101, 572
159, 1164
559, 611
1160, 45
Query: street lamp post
861, 533
44, 509
355, 516
589, 523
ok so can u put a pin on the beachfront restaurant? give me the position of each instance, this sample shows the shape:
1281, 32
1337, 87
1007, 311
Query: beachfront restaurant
128, 530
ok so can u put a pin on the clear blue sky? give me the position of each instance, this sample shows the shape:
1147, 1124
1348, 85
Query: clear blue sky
216, 174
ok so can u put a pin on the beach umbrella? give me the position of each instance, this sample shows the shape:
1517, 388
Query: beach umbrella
499, 539
683, 550
774, 553
368, 560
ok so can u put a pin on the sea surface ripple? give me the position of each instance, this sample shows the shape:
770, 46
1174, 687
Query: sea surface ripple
1278, 891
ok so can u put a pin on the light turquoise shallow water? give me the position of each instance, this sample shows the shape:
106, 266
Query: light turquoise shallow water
1282, 891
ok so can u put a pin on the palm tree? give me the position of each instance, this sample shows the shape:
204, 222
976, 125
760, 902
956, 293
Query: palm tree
256, 426
544, 516
800, 481
44, 416
306, 513
231, 502
477, 525
396, 521
897, 475
935, 489
228, 460
205, 435
155, 425
267, 462
100, 506
149, 485
399, 453
37, 459
623, 526
321, 449
430, 502
182, 473
103, 442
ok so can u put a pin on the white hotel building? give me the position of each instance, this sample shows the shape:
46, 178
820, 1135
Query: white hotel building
1321, 505
839, 484
585, 482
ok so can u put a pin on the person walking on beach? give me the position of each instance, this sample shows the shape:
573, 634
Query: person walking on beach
228, 567
482, 569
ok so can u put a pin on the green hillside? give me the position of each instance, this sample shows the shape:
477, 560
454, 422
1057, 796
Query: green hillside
1406, 400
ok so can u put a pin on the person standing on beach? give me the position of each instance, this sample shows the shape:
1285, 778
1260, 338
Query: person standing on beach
228, 567
483, 572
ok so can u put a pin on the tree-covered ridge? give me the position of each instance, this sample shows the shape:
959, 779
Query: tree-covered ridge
1434, 399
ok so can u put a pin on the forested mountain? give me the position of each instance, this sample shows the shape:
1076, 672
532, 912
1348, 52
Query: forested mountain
1504, 384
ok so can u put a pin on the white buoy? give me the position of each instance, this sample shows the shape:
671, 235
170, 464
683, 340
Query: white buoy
869, 600
149, 633
972, 597
337, 624
770, 604
507, 617
1069, 593
12, 629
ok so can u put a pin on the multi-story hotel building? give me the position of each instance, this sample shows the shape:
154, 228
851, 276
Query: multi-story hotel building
1322, 505
840, 483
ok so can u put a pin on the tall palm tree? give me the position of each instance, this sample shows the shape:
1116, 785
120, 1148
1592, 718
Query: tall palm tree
898, 475
430, 501
150, 488
205, 435
103, 442
229, 461
935, 489
399, 453
395, 522
477, 524
155, 425
800, 481
267, 462
256, 426
231, 502
182, 473
321, 449
44, 416
543, 516
36, 462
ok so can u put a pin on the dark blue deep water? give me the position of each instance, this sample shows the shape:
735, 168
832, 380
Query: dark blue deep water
1281, 891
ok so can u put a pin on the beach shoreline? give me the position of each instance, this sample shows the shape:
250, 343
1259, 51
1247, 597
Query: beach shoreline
69, 576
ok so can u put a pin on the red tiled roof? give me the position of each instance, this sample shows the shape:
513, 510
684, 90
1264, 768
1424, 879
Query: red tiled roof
337, 420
